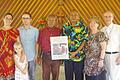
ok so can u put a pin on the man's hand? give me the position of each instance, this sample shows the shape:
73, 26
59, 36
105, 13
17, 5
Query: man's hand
72, 54
37, 60
118, 60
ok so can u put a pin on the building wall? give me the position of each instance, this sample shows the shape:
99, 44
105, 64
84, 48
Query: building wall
42, 8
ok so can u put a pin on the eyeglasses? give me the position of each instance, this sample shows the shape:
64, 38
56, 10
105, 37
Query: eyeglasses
26, 18
8, 18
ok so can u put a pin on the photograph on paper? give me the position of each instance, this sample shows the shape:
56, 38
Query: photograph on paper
59, 47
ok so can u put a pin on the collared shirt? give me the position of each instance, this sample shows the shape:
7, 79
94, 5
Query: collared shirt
29, 38
113, 33
76, 35
44, 37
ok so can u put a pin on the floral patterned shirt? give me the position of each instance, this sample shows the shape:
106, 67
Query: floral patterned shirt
93, 54
76, 35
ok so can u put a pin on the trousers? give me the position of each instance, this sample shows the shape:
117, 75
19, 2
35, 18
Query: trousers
113, 70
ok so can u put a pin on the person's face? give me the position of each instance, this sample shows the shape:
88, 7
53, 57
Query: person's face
108, 18
26, 19
8, 20
18, 49
93, 25
52, 21
74, 17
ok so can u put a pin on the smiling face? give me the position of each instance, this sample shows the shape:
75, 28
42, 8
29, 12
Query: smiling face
26, 19
52, 20
8, 19
94, 25
108, 18
74, 17
18, 49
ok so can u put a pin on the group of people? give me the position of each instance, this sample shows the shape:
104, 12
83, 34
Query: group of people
18, 49
93, 51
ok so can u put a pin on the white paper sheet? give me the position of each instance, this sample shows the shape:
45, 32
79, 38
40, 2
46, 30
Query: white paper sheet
59, 47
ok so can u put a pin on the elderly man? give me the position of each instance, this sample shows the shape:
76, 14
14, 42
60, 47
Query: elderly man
77, 34
48, 65
112, 57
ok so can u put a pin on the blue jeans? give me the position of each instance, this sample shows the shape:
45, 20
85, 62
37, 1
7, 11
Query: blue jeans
31, 70
101, 76
72, 68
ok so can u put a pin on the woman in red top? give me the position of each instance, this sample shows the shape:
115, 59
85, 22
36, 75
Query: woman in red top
8, 36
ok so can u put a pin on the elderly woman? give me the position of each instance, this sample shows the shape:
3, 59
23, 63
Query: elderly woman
94, 61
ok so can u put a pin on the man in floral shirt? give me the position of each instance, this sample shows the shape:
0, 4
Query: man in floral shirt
77, 34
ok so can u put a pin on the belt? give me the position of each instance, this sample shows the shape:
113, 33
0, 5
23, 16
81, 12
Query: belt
46, 53
111, 52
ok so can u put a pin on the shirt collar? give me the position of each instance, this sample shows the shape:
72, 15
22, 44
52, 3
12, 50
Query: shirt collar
26, 29
110, 26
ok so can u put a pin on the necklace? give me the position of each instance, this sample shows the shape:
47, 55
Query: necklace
6, 28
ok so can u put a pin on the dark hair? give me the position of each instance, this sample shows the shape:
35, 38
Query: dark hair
27, 14
8, 14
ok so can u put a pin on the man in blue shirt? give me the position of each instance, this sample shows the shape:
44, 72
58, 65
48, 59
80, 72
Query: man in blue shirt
28, 36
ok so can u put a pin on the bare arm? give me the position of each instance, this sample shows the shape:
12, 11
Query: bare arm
39, 50
36, 47
25, 70
39, 53
102, 54
17, 64
18, 39
74, 53
103, 48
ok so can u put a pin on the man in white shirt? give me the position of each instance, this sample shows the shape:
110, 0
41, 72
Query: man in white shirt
112, 58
